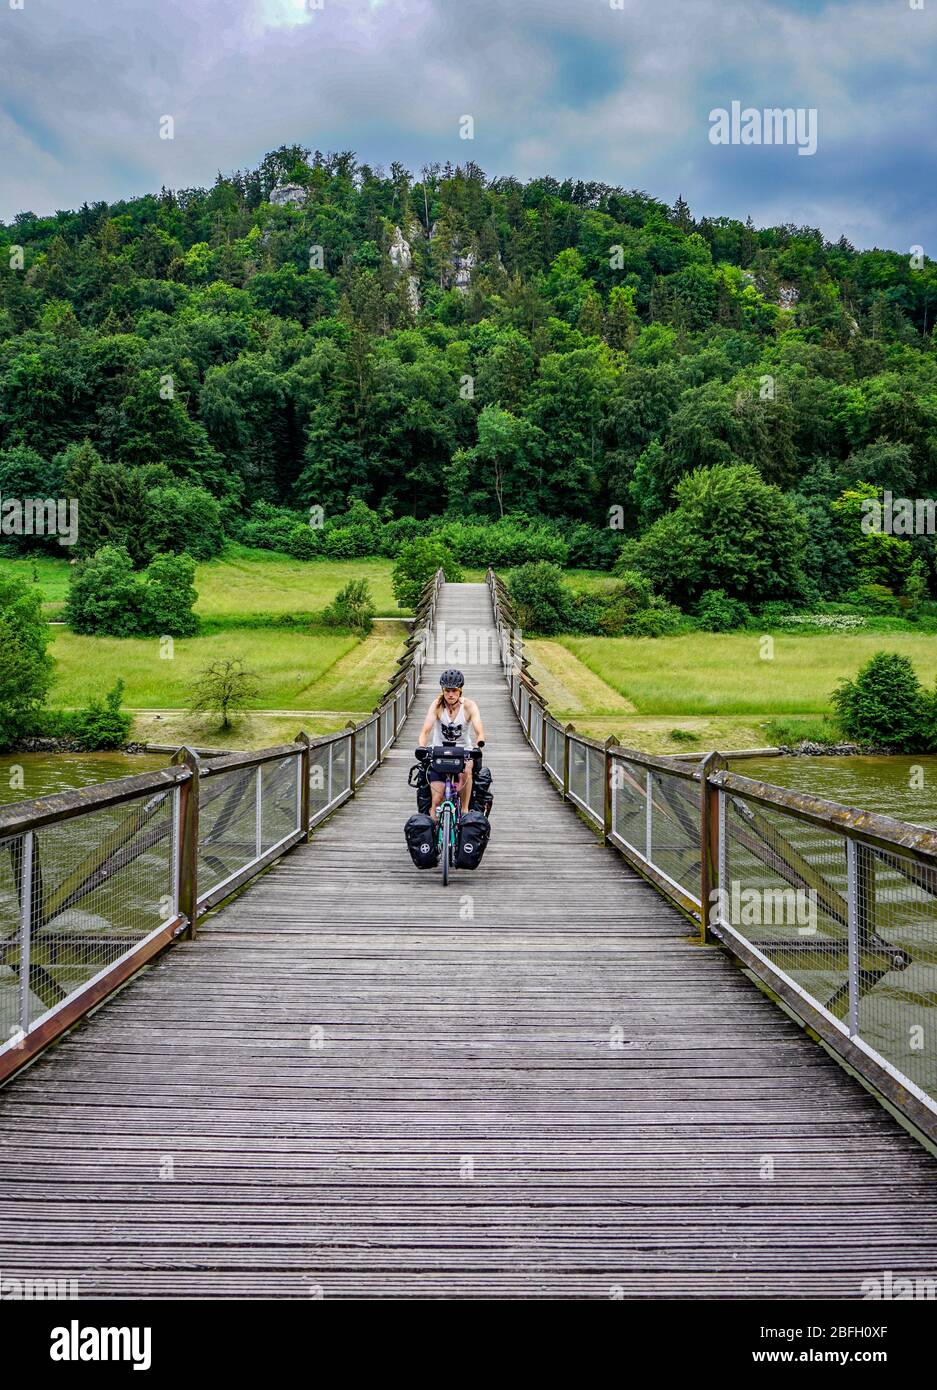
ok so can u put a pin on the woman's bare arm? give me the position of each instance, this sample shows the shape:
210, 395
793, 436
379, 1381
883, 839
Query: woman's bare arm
474, 715
428, 723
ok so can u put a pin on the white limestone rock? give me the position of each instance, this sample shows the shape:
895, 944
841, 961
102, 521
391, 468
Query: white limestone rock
288, 195
400, 255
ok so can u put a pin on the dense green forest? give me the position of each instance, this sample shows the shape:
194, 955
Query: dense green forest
314, 333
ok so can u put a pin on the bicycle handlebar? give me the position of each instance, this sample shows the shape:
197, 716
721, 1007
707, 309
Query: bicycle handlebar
421, 754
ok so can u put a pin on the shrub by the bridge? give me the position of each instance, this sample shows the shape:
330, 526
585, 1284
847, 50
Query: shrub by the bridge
886, 705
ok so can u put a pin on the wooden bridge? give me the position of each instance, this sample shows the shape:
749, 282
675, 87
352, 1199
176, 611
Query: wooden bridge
356, 1083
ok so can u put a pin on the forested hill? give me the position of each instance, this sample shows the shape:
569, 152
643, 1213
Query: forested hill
315, 330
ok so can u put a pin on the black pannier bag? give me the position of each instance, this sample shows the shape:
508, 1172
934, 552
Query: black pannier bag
473, 837
418, 779
421, 841
481, 791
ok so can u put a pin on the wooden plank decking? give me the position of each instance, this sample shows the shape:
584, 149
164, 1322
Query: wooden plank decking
357, 1083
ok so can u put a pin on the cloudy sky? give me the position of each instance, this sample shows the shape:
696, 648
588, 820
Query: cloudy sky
616, 90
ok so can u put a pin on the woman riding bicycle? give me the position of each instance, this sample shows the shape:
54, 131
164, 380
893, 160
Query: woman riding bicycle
456, 720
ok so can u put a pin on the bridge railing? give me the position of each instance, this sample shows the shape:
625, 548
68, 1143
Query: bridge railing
834, 909
94, 882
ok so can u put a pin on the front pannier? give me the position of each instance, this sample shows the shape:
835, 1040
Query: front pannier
473, 837
418, 779
421, 841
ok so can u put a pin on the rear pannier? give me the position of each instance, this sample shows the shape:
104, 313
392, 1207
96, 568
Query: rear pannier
481, 791
421, 841
473, 837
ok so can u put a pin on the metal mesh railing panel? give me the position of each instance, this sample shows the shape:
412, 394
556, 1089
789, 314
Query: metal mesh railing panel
555, 749
629, 803
577, 770
10, 851
227, 832
595, 783
784, 890
536, 725
341, 766
896, 979
279, 800
101, 882
321, 773
675, 829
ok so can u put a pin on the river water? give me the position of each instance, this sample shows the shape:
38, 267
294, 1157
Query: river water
903, 787
41, 774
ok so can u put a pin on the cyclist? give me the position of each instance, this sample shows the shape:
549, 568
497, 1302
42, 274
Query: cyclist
451, 718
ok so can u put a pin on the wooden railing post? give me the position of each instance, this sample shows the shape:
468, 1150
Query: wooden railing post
543, 735
570, 729
610, 742
304, 739
709, 844
187, 831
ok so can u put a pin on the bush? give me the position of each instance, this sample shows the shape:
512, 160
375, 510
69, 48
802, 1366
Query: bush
717, 612
103, 724
659, 619
180, 518
770, 614
542, 601
874, 598
104, 595
274, 528
885, 704
168, 597
352, 607
25, 666
303, 542
417, 562
592, 547
106, 598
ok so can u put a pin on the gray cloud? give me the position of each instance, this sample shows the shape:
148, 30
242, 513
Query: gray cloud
573, 89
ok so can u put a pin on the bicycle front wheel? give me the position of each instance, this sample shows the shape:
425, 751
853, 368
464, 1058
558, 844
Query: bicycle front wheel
446, 843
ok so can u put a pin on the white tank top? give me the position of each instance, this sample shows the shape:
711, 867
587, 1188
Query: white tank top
457, 728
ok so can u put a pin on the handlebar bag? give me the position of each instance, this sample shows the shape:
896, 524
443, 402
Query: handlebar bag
474, 831
420, 834
453, 763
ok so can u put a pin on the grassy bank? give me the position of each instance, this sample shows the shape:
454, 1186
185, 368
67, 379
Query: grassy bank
241, 585
716, 689
257, 605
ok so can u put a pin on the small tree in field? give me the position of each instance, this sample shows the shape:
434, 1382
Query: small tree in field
352, 607
225, 688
